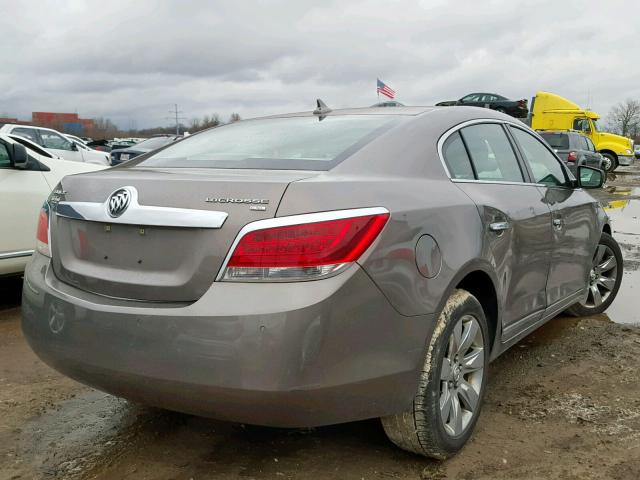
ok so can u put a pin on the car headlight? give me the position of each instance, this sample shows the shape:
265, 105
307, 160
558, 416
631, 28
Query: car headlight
628, 151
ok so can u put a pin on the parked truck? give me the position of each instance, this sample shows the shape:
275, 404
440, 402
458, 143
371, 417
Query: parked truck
552, 112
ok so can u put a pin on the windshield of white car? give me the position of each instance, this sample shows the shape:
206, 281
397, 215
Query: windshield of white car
288, 143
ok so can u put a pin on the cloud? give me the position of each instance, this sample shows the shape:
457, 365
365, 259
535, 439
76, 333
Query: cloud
131, 61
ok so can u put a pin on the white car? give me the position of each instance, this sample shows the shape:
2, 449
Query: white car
57, 143
26, 180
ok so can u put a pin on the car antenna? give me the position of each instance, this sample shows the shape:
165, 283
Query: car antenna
321, 109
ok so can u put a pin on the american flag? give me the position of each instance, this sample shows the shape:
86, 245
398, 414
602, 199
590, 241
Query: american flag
385, 89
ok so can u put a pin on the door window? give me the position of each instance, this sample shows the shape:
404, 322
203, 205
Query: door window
456, 158
5, 160
28, 133
545, 166
474, 97
54, 140
581, 124
491, 153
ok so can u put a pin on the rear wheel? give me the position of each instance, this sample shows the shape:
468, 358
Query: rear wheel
452, 384
605, 278
610, 162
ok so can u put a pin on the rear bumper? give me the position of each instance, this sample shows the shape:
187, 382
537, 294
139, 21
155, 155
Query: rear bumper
288, 355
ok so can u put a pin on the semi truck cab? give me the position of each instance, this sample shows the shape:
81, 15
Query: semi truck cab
553, 112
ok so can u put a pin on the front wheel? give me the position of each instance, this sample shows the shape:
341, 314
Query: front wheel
610, 162
605, 278
452, 384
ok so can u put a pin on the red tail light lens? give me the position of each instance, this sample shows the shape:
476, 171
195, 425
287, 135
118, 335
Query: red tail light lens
572, 157
42, 233
305, 250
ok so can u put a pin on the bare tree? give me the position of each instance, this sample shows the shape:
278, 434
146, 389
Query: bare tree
235, 117
195, 125
624, 118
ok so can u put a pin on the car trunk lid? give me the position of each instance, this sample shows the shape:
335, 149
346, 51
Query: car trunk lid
163, 247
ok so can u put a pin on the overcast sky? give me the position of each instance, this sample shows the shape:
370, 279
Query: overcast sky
132, 60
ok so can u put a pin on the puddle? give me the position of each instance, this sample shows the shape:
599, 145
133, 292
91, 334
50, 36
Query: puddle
632, 192
625, 220
66, 441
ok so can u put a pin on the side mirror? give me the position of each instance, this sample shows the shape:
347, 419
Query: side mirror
74, 147
589, 177
19, 159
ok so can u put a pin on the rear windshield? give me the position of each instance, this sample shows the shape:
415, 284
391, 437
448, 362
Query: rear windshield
292, 143
557, 140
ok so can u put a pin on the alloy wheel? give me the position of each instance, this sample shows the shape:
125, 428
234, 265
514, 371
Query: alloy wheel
461, 376
602, 277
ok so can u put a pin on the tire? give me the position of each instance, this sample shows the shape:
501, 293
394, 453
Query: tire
613, 162
602, 292
423, 430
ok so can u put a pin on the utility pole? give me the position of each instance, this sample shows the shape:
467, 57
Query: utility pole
176, 114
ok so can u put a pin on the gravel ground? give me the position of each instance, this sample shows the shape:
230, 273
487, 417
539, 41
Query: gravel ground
564, 404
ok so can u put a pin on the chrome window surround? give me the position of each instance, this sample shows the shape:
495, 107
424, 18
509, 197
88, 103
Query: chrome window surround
142, 215
297, 220
475, 121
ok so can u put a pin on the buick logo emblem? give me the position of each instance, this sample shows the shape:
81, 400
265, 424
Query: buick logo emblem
118, 202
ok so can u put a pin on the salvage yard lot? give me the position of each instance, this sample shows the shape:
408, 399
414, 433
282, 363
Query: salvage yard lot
564, 403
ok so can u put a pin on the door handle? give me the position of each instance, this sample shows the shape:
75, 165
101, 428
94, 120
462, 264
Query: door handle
498, 226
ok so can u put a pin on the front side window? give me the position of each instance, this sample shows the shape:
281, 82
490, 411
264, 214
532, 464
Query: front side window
491, 153
289, 143
456, 158
54, 140
5, 160
545, 166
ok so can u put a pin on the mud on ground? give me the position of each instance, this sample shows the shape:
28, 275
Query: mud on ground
562, 404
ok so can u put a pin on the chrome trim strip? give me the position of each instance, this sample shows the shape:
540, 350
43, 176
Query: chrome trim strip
16, 254
143, 215
296, 220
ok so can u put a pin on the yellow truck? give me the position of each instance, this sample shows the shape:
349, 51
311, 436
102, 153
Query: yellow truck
552, 112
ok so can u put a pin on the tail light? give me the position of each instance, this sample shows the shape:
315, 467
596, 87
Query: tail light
572, 157
302, 247
42, 233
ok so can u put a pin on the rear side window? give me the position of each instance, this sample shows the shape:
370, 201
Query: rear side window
559, 141
545, 166
28, 133
456, 158
491, 153
290, 143
590, 146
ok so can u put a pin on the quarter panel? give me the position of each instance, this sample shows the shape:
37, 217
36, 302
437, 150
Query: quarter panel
417, 207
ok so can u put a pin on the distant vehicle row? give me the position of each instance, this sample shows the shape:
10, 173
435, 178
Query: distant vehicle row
63, 146
515, 108
28, 173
